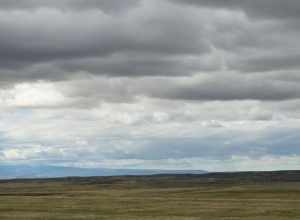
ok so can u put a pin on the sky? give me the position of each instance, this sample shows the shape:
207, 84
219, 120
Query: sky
161, 84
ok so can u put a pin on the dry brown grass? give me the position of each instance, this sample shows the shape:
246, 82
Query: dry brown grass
134, 199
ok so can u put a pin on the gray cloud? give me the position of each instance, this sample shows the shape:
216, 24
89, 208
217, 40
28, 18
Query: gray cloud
94, 91
138, 43
104, 5
159, 80
63, 40
263, 8
231, 89
268, 63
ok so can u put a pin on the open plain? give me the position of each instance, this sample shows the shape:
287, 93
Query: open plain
247, 196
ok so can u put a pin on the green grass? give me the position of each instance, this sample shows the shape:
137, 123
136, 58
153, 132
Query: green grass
148, 198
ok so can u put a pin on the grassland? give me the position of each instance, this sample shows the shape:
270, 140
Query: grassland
249, 196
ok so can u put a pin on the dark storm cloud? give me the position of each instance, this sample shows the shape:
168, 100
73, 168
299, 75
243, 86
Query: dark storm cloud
70, 40
62, 40
213, 89
228, 88
269, 63
140, 65
262, 8
44, 36
104, 5
227, 92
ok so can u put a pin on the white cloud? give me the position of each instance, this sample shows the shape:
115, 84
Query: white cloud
31, 95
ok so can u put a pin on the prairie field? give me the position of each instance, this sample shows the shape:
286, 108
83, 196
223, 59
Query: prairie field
174, 197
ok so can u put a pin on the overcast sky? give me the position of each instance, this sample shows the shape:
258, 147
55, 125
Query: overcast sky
168, 84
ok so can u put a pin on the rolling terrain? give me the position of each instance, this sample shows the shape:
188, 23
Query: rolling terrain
245, 195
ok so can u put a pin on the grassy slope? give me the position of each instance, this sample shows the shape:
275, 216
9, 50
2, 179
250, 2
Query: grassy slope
264, 196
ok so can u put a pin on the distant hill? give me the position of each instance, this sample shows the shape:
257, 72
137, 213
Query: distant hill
35, 171
157, 178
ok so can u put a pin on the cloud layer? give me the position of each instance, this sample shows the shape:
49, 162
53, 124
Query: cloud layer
139, 82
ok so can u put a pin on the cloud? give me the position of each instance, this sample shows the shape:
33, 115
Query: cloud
262, 8
97, 43
150, 82
159, 38
103, 5
204, 88
230, 88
